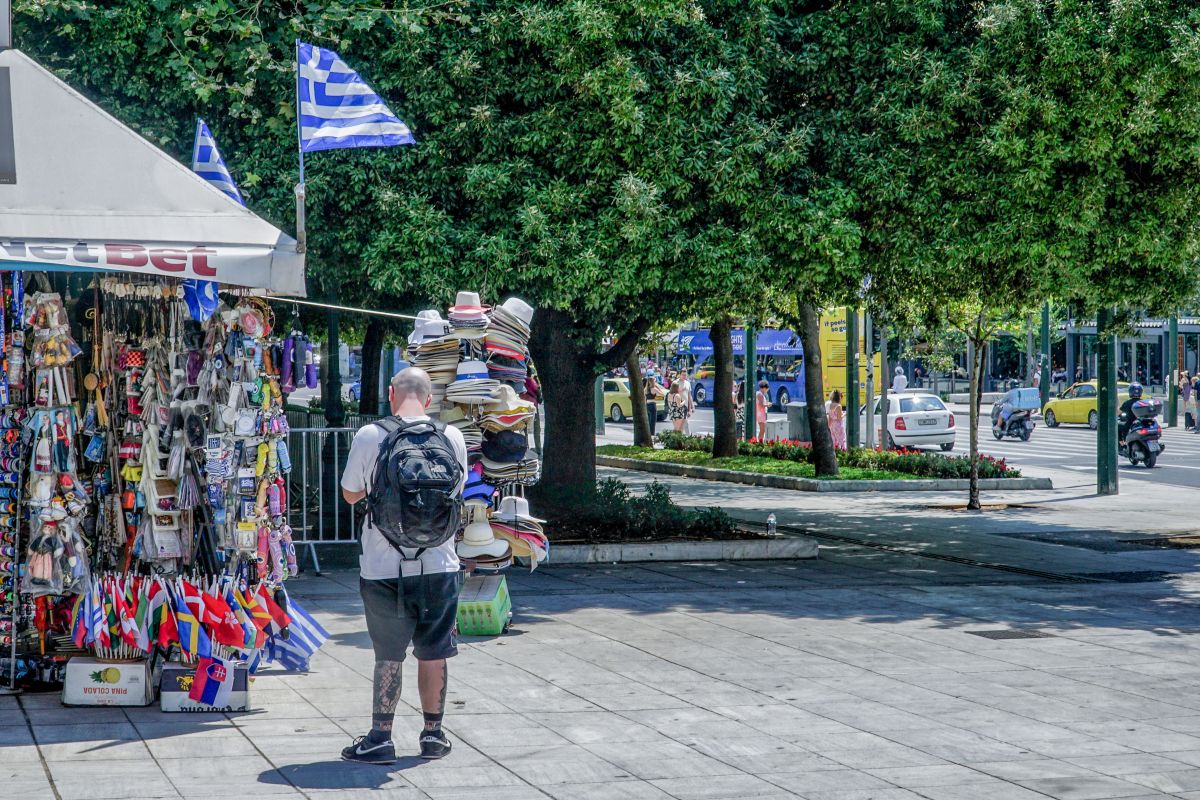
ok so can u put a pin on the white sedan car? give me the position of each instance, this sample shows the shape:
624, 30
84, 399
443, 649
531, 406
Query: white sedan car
914, 418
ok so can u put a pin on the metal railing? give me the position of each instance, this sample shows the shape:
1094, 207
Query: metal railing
315, 509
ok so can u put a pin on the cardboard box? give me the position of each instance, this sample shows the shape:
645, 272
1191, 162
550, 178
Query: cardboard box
484, 606
177, 682
89, 682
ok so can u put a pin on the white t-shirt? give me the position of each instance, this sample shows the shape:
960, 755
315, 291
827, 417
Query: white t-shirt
900, 382
379, 560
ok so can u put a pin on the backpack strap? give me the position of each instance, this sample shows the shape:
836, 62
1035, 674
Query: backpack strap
389, 425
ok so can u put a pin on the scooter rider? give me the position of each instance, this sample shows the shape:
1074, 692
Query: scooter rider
1126, 414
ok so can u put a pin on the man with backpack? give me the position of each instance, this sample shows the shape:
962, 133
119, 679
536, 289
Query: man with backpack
410, 470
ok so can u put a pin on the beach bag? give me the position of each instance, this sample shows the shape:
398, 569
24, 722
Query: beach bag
414, 499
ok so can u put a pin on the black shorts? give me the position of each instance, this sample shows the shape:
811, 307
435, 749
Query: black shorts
419, 610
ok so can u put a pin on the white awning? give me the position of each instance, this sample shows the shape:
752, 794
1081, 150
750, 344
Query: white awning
83, 191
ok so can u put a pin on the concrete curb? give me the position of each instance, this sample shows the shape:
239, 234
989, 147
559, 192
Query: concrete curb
814, 485
741, 550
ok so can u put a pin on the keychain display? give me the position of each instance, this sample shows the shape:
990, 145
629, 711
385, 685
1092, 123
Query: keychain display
145, 468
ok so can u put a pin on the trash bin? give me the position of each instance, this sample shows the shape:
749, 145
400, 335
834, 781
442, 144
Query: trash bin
797, 422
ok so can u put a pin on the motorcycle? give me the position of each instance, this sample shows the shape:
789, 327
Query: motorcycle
1019, 426
1143, 439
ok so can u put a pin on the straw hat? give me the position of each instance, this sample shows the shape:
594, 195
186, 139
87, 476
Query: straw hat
467, 304
518, 309
479, 540
515, 509
429, 327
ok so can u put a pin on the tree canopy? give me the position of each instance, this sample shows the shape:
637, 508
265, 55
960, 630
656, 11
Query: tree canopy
618, 162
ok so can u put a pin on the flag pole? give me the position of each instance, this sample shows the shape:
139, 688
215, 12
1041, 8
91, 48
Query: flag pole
301, 234
196, 144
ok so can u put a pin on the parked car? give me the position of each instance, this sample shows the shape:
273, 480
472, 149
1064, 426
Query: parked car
915, 419
355, 390
1078, 405
617, 402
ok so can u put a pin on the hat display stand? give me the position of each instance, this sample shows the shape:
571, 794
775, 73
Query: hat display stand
143, 480
478, 362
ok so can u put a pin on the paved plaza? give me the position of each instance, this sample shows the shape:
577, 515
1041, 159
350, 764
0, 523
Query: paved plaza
857, 676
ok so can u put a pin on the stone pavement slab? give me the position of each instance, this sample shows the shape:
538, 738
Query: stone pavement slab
852, 677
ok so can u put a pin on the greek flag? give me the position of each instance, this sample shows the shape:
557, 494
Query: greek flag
305, 637
208, 164
337, 108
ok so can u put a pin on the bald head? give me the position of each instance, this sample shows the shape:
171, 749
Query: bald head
411, 391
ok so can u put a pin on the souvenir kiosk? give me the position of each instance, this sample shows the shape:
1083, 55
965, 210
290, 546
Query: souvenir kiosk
143, 447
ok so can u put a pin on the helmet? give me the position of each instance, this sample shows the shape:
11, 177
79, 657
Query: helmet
1135, 391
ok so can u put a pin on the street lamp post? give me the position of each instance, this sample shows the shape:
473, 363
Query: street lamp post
1045, 382
851, 398
1172, 368
598, 390
1106, 405
869, 347
750, 360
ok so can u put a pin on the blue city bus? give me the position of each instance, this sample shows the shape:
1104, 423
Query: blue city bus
780, 363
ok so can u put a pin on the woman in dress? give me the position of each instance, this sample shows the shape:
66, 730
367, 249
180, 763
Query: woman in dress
762, 401
677, 406
837, 419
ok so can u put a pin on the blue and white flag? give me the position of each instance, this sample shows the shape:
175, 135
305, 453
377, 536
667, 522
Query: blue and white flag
208, 164
305, 637
336, 107
201, 296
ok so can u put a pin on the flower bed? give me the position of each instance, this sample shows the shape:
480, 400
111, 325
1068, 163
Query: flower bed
756, 464
918, 463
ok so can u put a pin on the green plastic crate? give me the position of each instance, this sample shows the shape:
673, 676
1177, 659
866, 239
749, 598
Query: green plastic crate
484, 607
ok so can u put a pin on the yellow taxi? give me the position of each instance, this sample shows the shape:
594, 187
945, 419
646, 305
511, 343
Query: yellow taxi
617, 405
1078, 405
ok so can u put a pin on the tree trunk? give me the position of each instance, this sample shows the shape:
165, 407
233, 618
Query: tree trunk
637, 403
368, 384
824, 457
567, 375
331, 387
976, 398
725, 443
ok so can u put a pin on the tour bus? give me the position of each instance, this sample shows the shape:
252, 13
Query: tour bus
780, 360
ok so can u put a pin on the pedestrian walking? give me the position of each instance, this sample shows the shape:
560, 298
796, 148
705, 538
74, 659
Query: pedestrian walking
651, 391
1184, 385
762, 400
836, 416
900, 381
690, 404
1196, 403
410, 594
677, 406
739, 408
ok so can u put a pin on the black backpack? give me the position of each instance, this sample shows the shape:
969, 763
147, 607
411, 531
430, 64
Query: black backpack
414, 499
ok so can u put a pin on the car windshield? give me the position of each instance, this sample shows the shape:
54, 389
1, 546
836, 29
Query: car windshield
921, 404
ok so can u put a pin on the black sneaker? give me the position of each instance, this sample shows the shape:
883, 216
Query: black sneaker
434, 744
368, 752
